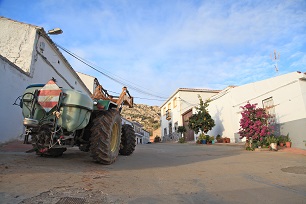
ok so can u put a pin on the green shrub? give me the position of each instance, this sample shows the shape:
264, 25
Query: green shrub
181, 140
157, 139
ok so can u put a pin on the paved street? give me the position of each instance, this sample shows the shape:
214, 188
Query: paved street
155, 173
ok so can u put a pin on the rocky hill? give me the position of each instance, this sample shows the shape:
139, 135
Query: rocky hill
148, 116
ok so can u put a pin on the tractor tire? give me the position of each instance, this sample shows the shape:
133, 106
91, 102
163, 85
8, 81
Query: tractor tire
105, 136
84, 147
128, 140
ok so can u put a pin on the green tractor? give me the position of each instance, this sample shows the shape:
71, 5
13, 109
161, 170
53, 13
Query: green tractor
57, 118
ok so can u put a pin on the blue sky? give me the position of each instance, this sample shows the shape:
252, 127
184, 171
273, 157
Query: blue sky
158, 46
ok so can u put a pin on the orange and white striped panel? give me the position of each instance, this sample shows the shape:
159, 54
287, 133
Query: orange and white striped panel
48, 96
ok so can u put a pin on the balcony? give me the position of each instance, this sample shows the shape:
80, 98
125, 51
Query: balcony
168, 114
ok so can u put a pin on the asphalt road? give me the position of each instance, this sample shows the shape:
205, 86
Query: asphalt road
156, 173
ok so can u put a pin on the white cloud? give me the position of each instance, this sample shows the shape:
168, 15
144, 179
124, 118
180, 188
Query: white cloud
165, 45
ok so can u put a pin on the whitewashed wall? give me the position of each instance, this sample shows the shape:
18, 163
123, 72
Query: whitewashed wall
34, 60
185, 101
13, 81
288, 93
17, 42
88, 81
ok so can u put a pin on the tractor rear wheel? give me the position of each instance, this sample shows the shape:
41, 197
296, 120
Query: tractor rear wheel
128, 140
105, 136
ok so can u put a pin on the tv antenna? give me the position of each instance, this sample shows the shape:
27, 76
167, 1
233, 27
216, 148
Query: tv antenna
275, 58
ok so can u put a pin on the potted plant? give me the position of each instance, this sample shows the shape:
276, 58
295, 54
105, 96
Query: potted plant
259, 144
272, 140
287, 140
219, 139
202, 138
207, 137
226, 140
212, 139
281, 140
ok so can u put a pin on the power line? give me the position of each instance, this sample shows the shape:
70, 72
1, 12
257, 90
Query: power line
108, 76
152, 99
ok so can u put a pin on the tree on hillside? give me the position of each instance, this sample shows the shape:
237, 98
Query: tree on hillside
201, 121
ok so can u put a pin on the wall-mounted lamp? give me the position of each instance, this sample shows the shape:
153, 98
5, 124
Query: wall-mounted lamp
55, 31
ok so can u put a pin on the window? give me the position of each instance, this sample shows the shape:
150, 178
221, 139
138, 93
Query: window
268, 105
165, 131
175, 126
169, 106
164, 110
170, 128
174, 102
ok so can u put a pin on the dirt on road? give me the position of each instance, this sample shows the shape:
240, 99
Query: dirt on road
154, 173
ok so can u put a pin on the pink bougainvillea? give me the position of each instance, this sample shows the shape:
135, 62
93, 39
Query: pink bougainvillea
254, 123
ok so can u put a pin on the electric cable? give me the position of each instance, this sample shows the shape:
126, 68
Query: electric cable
108, 76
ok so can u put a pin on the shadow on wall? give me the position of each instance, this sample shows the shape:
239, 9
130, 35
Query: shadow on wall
219, 128
296, 130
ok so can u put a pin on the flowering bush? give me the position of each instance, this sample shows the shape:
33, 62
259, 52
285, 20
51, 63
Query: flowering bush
254, 124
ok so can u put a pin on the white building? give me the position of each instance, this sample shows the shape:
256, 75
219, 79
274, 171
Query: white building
178, 108
142, 136
28, 56
284, 97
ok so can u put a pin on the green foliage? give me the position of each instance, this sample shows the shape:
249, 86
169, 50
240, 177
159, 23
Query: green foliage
207, 138
202, 136
156, 126
281, 139
271, 139
181, 129
201, 121
211, 138
157, 139
181, 140
251, 145
287, 138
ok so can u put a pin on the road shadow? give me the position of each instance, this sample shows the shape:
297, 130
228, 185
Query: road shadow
145, 156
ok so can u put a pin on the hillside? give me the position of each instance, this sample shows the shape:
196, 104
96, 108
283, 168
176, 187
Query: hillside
148, 116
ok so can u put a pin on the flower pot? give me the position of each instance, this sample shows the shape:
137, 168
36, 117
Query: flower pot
203, 141
273, 146
288, 144
213, 142
281, 144
219, 140
226, 140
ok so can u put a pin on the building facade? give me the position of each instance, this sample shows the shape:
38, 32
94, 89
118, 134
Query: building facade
284, 97
28, 56
178, 108
142, 136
